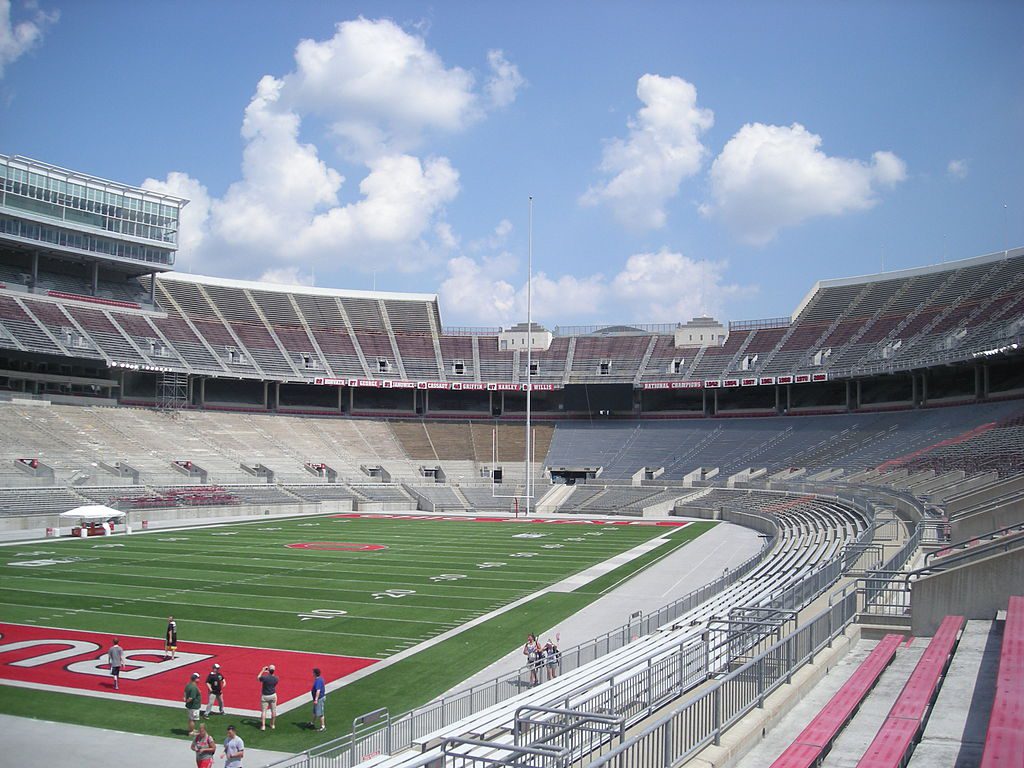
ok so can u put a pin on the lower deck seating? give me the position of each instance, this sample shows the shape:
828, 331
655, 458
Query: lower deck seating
895, 739
816, 739
1004, 741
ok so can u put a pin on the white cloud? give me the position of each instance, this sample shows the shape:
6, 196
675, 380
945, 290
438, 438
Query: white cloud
194, 217
286, 276
768, 177
505, 81
958, 169
651, 287
18, 39
471, 293
662, 149
383, 92
495, 240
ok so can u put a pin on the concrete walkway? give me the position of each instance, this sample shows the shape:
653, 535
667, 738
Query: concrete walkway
39, 742
686, 569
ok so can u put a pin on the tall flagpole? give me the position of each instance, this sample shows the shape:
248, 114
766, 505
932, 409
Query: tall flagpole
529, 358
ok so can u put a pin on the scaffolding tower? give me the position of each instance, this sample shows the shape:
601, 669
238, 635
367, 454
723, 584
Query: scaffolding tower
171, 391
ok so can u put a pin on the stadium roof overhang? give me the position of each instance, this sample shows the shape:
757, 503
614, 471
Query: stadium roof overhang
311, 290
900, 274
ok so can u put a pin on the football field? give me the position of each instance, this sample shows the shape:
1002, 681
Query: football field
342, 592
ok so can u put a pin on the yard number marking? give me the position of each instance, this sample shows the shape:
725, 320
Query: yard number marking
490, 565
524, 554
393, 593
448, 577
322, 613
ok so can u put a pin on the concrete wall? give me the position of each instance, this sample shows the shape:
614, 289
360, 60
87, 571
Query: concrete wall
33, 525
954, 504
976, 590
986, 519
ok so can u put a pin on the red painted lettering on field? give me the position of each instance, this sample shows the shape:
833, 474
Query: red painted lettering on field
77, 662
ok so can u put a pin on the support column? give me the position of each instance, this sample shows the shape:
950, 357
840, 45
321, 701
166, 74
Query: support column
924, 387
341, 403
714, 402
277, 395
857, 404
914, 391
266, 386
984, 381
95, 277
778, 400
979, 383
789, 398
202, 393
152, 288
351, 400
35, 269
849, 392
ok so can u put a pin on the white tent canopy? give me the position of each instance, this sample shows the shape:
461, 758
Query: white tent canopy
92, 512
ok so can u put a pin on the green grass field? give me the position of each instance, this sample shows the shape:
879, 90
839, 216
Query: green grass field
432, 577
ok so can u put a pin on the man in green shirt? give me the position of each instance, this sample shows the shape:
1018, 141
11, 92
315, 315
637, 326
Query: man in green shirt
193, 703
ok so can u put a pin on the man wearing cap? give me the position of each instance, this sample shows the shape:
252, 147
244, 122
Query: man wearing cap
234, 749
268, 696
215, 684
193, 703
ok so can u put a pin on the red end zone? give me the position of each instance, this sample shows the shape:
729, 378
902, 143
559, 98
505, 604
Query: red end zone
77, 662
452, 518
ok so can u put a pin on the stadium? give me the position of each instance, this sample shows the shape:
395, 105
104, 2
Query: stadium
871, 439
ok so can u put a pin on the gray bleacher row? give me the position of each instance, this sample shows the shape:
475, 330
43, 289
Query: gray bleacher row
810, 533
54, 500
849, 441
947, 312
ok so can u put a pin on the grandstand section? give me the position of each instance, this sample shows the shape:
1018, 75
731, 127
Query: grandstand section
95, 312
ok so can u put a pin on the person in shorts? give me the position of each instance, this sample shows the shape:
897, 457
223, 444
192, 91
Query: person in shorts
115, 656
205, 748
268, 696
215, 685
193, 703
552, 658
319, 693
234, 749
171, 639
532, 652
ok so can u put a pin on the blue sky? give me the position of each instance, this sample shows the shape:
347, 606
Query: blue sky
682, 156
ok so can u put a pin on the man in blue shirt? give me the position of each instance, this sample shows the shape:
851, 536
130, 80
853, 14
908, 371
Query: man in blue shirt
319, 693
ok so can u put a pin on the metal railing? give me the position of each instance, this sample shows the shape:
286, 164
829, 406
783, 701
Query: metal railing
753, 325
400, 731
702, 719
635, 692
